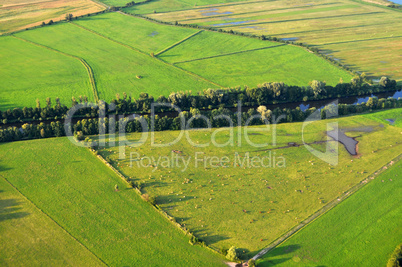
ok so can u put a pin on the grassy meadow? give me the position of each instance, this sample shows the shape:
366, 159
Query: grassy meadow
364, 36
30, 72
232, 203
361, 231
21, 14
29, 237
115, 66
118, 50
77, 191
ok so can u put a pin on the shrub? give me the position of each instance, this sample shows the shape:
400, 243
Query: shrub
193, 240
251, 263
396, 257
232, 254
151, 200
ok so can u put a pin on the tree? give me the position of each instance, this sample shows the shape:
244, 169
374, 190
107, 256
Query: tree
318, 87
232, 254
116, 188
69, 17
251, 263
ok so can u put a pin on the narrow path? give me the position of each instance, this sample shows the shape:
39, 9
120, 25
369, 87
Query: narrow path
228, 54
144, 53
83, 62
326, 208
47, 215
177, 43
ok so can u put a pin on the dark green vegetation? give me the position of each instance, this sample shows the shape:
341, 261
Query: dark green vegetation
234, 204
78, 192
361, 231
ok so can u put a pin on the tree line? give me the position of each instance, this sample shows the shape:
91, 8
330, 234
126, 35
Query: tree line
208, 99
195, 118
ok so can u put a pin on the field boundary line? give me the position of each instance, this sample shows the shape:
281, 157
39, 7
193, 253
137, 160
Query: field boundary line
144, 53
229, 54
83, 62
164, 214
332, 204
177, 43
47, 215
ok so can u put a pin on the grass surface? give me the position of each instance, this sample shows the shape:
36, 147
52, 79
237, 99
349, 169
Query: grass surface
211, 199
361, 231
364, 36
16, 15
30, 72
173, 5
77, 191
141, 34
29, 237
116, 66
280, 63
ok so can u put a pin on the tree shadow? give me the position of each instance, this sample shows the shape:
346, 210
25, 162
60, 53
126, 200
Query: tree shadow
9, 209
283, 250
273, 262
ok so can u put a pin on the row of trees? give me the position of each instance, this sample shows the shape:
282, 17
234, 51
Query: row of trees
264, 94
216, 118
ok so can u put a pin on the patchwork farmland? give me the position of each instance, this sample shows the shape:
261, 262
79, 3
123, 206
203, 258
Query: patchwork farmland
201, 138
251, 207
364, 36
114, 53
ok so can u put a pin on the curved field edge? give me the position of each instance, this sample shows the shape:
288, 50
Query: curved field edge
117, 226
33, 72
362, 230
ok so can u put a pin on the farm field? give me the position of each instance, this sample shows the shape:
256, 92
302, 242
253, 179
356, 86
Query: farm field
171, 5
362, 35
221, 58
78, 192
30, 72
114, 65
29, 237
21, 14
361, 231
236, 204
117, 48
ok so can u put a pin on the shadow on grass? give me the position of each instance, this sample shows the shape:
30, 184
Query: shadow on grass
9, 209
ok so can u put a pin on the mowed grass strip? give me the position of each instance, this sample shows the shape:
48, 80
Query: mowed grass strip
237, 204
116, 67
77, 191
289, 64
361, 231
29, 237
30, 72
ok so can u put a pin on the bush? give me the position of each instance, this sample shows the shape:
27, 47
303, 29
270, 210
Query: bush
251, 263
193, 240
151, 200
396, 257
233, 254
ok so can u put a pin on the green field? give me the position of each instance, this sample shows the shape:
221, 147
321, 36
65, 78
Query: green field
77, 191
117, 48
115, 66
364, 36
211, 199
29, 237
30, 72
361, 231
